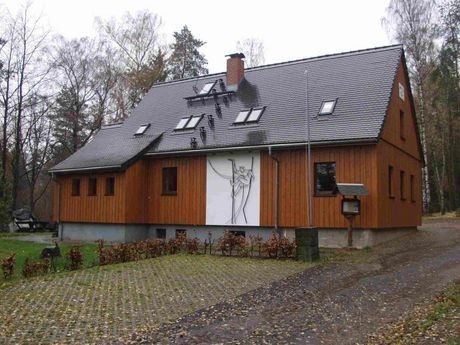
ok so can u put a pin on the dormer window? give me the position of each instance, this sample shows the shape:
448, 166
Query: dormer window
249, 115
207, 88
189, 122
327, 107
141, 130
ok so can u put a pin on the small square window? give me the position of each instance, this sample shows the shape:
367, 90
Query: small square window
141, 130
170, 181
194, 121
182, 123
110, 186
327, 107
242, 116
207, 88
92, 186
401, 91
255, 114
76, 187
325, 178
181, 233
161, 233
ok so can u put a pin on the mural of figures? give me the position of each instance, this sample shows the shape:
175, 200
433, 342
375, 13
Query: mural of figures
233, 189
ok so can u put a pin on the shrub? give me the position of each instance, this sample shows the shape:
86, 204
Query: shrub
105, 254
8, 265
75, 257
154, 248
230, 241
256, 241
286, 247
271, 246
191, 245
124, 252
35, 268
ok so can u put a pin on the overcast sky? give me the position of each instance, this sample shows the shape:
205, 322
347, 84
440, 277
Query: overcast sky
289, 29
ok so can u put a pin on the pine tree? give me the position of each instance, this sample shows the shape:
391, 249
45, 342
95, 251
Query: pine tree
186, 60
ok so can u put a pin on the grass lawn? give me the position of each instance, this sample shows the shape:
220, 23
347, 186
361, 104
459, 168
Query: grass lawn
32, 250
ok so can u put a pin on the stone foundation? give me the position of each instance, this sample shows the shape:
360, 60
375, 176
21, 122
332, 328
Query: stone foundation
329, 238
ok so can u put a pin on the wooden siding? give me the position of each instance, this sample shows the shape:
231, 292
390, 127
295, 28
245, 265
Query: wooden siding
95, 209
391, 129
189, 205
354, 164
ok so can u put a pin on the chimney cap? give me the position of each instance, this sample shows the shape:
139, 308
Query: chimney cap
236, 55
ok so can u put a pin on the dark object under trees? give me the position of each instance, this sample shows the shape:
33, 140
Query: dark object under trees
307, 244
26, 221
51, 252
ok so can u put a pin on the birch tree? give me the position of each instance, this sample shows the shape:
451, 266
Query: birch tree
253, 50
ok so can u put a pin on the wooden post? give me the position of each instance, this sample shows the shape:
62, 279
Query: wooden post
350, 231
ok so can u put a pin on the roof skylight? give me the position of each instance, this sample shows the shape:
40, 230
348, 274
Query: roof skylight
141, 130
189, 122
327, 107
207, 88
242, 116
249, 115
255, 114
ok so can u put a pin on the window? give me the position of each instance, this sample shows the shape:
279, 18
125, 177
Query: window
161, 233
181, 233
401, 125
402, 176
92, 186
238, 233
327, 107
255, 114
207, 88
141, 130
110, 186
324, 178
412, 194
249, 115
390, 181
170, 181
76, 187
189, 122
401, 91
242, 116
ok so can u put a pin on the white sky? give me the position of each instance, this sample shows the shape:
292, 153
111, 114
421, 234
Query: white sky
289, 29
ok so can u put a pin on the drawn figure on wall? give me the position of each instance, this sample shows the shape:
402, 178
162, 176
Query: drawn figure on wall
240, 183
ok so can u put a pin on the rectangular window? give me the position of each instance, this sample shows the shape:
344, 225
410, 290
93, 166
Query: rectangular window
401, 91
324, 178
401, 125
238, 233
92, 186
402, 176
170, 181
76, 187
181, 233
110, 186
390, 181
161, 233
412, 192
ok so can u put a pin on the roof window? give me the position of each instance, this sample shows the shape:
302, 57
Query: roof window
189, 122
327, 107
207, 88
141, 130
249, 115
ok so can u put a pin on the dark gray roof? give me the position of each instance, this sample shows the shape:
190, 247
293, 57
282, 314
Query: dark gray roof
111, 148
361, 81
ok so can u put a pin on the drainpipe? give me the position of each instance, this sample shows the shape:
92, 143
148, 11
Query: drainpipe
60, 229
277, 187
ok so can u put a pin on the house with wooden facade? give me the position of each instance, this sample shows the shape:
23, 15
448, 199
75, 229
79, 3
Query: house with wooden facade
228, 151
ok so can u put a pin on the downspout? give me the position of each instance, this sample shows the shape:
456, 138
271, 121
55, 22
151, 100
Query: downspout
60, 229
277, 188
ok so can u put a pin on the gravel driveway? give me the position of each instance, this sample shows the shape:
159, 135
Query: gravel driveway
330, 304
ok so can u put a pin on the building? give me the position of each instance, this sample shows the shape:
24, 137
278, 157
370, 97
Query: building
228, 151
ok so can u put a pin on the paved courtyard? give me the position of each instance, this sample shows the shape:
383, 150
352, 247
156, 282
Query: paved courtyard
104, 303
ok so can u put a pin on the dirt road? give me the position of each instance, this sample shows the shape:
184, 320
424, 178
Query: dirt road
338, 303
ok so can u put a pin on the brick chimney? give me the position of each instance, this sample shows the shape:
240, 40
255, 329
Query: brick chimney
235, 70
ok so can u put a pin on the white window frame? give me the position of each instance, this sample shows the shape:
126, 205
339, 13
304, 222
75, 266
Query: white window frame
142, 129
324, 103
401, 91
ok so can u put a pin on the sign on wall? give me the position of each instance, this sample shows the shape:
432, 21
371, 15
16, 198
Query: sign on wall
233, 189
